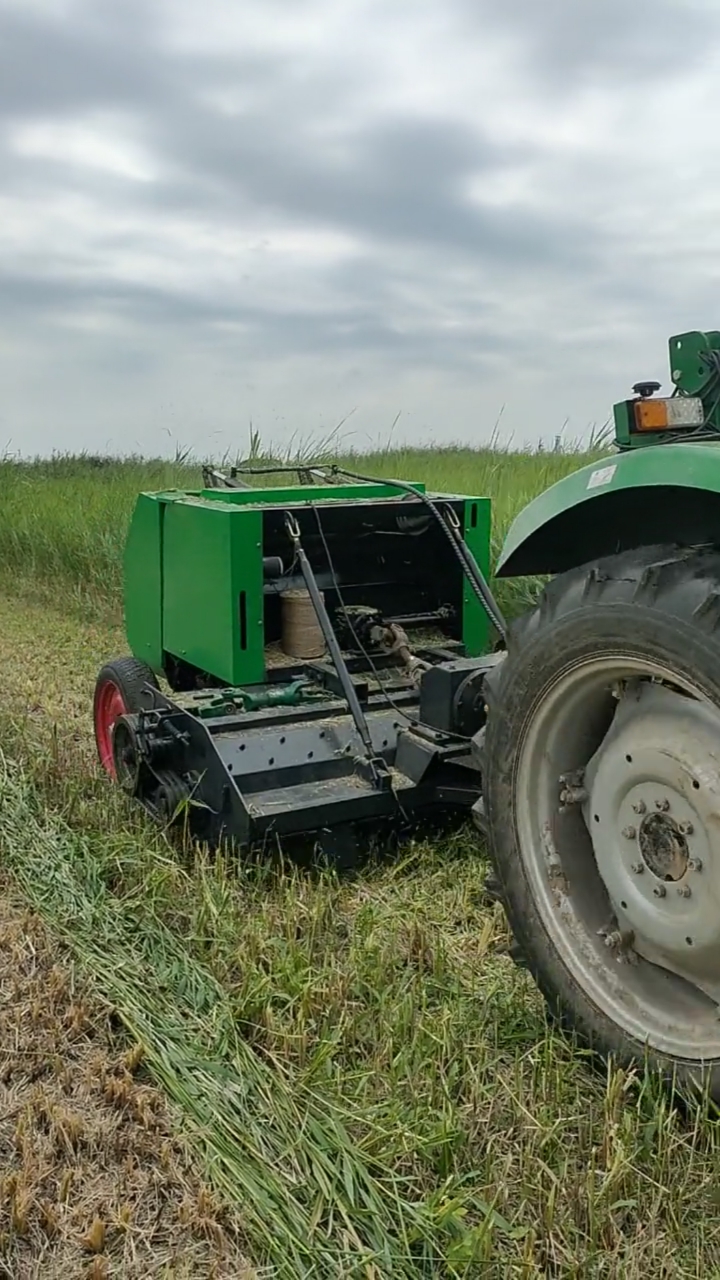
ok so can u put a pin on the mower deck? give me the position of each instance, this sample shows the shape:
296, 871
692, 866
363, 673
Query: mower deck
290, 770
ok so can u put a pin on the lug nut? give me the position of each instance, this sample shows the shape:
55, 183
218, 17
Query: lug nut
629, 833
660, 891
662, 805
695, 864
637, 868
639, 806
686, 828
684, 890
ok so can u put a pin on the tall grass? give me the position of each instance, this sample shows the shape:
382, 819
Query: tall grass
63, 520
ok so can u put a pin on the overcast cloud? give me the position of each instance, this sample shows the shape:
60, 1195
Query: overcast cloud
288, 211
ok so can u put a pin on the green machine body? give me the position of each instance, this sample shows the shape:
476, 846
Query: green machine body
206, 571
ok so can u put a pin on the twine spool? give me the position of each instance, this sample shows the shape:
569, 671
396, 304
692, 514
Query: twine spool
301, 634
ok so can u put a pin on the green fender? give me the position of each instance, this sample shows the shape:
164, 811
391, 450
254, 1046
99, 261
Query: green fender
666, 493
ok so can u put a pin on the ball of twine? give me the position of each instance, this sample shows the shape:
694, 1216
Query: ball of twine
301, 633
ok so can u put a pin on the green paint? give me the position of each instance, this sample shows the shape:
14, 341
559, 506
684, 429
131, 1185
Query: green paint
143, 581
247, 606
212, 571
692, 466
625, 436
477, 518
689, 368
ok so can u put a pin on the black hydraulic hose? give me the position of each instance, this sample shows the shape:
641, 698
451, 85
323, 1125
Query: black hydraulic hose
464, 555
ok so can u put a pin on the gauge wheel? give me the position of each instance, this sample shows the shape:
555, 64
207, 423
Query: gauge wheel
601, 780
119, 690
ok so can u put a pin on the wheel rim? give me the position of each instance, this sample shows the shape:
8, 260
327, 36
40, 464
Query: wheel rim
109, 706
618, 823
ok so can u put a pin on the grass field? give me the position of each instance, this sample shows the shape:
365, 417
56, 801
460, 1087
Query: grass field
366, 1084
63, 521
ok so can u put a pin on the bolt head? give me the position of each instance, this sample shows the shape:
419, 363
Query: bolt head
660, 891
684, 890
695, 864
686, 828
637, 868
662, 805
639, 806
629, 833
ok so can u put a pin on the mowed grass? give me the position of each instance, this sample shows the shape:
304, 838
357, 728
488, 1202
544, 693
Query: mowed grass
369, 1083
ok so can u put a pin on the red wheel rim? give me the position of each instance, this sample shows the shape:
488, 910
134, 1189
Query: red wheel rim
109, 704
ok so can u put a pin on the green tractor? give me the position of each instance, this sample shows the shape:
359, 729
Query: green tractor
334, 663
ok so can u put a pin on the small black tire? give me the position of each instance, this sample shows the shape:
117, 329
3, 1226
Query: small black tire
660, 605
119, 690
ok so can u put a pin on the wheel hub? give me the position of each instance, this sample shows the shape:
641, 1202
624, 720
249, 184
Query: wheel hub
126, 757
653, 812
663, 846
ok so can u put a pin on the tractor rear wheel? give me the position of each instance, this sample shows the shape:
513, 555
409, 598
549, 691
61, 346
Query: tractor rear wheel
118, 691
601, 779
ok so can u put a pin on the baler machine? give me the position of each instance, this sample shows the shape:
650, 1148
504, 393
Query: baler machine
325, 646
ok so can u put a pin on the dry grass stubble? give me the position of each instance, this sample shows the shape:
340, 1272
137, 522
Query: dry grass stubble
94, 1182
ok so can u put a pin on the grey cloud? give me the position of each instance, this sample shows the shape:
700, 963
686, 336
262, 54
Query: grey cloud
51, 65
357, 328
436, 282
623, 42
404, 179
110, 56
401, 179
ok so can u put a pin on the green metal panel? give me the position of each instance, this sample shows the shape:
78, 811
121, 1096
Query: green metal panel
625, 436
296, 495
692, 466
212, 589
247, 593
477, 519
143, 581
689, 369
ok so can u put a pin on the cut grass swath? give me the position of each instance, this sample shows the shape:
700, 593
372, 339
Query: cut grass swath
314, 1199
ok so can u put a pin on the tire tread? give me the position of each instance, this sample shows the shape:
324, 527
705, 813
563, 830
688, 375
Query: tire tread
683, 585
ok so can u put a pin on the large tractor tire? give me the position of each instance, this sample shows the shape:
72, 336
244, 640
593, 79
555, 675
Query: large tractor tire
601, 763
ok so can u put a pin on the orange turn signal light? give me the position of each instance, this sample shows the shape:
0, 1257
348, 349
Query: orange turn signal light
651, 415
668, 414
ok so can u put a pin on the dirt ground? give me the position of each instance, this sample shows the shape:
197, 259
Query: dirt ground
93, 1183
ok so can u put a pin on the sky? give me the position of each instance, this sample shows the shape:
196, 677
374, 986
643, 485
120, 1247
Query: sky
421, 220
